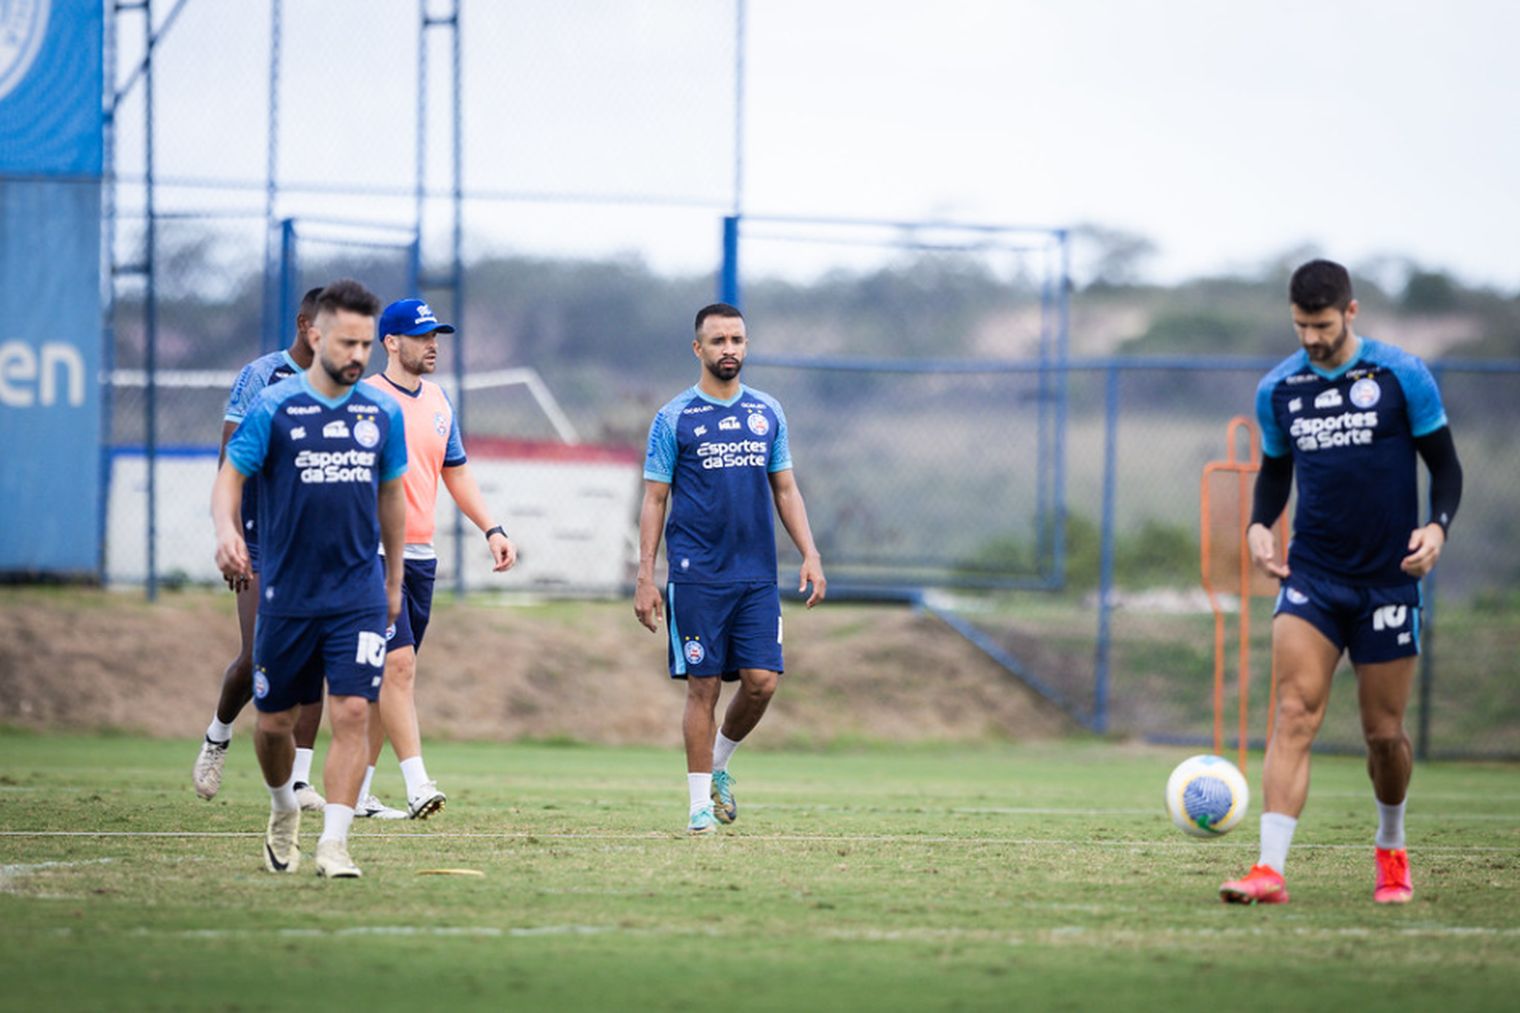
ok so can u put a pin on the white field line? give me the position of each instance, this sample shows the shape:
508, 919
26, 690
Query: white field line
1242, 842
11, 875
1079, 935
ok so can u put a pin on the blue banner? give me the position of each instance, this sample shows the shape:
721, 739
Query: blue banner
51, 84
50, 350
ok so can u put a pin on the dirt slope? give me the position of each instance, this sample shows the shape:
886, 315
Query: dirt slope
90, 660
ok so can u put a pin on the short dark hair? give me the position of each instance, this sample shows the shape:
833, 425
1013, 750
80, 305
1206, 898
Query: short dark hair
308, 307
1320, 285
350, 295
717, 309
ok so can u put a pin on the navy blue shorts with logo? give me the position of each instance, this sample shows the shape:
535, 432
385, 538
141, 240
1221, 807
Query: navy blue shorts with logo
1372, 624
717, 629
292, 655
416, 604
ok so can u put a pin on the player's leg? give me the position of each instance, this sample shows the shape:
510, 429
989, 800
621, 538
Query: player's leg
369, 806
1384, 649
754, 646
237, 690
698, 724
308, 723
697, 618
282, 649
398, 697
354, 660
1304, 658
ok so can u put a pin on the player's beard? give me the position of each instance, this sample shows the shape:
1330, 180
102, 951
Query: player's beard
725, 370
417, 365
1331, 348
345, 376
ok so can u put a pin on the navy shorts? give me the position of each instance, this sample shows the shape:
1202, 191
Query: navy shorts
1372, 624
717, 629
292, 655
416, 604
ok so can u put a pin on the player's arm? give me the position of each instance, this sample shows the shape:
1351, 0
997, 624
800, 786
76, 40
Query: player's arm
392, 504
226, 513
1439, 452
228, 428
793, 514
1273, 484
467, 496
646, 596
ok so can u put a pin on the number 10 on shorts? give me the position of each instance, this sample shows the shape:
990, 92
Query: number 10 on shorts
371, 649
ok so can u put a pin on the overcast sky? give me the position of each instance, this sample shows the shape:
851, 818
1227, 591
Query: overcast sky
1225, 132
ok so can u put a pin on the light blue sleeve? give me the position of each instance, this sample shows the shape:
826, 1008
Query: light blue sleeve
453, 451
393, 454
1274, 442
250, 443
1423, 398
660, 459
781, 448
244, 391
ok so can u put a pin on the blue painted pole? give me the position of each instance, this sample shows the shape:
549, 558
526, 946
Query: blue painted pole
1106, 577
1063, 380
728, 277
289, 275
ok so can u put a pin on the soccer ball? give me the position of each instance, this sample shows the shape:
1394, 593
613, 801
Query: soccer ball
1207, 796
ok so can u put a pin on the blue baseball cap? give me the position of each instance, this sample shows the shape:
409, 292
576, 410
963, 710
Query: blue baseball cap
413, 317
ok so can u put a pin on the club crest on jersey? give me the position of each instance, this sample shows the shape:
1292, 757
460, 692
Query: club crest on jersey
758, 424
1365, 392
366, 432
440, 424
336, 430
694, 652
1328, 399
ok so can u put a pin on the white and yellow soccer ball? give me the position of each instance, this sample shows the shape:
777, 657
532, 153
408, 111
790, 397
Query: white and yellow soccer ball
1207, 796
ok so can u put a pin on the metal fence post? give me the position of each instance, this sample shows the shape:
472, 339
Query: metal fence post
1106, 576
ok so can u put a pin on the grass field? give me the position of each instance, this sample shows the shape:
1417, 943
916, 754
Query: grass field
1031, 877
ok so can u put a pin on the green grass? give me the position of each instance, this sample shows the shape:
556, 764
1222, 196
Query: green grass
1035, 877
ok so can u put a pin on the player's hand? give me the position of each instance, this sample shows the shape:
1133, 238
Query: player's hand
232, 561
812, 572
646, 604
1424, 549
1263, 545
503, 553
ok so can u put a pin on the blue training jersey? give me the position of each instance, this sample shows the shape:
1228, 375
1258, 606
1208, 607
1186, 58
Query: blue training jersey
250, 383
718, 457
321, 463
1351, 433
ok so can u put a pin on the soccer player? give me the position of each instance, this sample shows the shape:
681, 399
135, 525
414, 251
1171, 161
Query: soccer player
718, 456
1346, 415
237, 680
329, 454
410, 333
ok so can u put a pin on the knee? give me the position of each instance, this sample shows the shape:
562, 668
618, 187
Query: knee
276, 724
400, 670
1386, 740
349, 713
1297, 717
761, 686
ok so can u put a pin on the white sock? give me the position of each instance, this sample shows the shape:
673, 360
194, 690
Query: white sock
302, 770
336, 819
369, 776
1390, 835
700, 786
1276, 837
218, 732
723, 749
282, 798
415, 774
